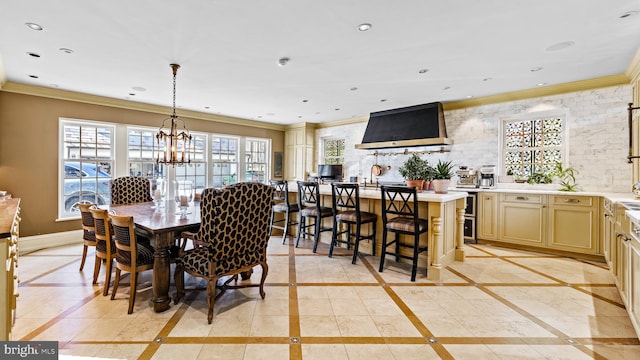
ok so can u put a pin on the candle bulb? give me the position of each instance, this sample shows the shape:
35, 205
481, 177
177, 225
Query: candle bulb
183, 200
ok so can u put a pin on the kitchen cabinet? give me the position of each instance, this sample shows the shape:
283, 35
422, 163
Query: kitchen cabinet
298, 155
573, 224
523, 218
633, 269
9, 234
488, 216
620, 269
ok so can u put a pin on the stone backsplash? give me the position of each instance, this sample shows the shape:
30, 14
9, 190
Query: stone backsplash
596, 121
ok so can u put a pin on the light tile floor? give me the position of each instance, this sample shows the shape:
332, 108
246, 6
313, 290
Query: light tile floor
498, 304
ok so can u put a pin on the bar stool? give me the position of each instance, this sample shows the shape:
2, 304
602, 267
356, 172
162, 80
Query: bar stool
345, 199
282, 206
310, 207
402, 203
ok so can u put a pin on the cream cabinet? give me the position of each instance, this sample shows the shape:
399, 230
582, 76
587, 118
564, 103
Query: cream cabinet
608, 232
522, 219
9, 234
573, 224
298, 156
487, 216
633, 269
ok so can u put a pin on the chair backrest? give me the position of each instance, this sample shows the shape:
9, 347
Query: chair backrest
345, 196
281, 191
235, 220
124, 235
308, 194
103, 228
399, 201
85, 215
130, 190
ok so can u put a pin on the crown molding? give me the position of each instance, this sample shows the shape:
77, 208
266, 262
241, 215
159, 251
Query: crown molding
354, 120
582, 85
633, 70
59, 94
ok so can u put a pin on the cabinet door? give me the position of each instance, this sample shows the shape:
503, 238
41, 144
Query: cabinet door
633, 269
488, 216
573, 224
522, 223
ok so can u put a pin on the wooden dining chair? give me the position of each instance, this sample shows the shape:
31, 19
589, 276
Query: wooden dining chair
310, 205
283, 206
131, 256
88, 229
105, 247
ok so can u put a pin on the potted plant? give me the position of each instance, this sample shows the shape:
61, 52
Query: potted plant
443, 171
413, 171
567, 177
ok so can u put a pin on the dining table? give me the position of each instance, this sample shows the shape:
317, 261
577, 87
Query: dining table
161, 224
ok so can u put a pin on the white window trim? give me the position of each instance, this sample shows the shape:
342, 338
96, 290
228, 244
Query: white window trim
559, 113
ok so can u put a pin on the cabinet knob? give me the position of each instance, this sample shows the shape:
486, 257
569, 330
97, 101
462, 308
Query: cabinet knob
573, 201
522, 198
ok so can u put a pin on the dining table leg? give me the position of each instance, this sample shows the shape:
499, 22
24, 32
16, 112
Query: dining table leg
161, 272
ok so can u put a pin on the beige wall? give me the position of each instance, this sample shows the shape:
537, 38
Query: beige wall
29, 149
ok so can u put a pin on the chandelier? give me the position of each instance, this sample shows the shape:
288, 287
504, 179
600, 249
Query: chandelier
174, 147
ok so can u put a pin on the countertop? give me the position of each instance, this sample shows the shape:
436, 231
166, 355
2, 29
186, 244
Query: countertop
8, 211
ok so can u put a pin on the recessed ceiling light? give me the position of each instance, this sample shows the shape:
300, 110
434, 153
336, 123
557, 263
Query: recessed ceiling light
422, 71
487, 79
34, 76
560, 46
305, 100
628, 14
139, 88
336, 109
383, 100
66, 50
34, 26
446, 88
33, 54
299, 116
132, 94
207, 107
536, 69
364, 27
353, 88
283, 61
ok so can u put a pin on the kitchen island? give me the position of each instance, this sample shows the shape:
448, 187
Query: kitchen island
445, 213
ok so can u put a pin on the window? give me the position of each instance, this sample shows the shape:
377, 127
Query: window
257, 154
196, 171
533, 145
143, 152
86, 153
334, 151
224, 160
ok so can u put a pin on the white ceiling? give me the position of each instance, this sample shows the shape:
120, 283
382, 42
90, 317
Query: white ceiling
229, 50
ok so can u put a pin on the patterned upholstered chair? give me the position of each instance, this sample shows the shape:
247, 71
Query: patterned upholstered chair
131, 256
88, 229
235, 229
130, 190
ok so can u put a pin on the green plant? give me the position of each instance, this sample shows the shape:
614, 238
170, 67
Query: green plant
540, 178
567, 177
510, 172
443, 170
415, 168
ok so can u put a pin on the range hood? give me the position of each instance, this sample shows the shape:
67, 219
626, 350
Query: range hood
419, 125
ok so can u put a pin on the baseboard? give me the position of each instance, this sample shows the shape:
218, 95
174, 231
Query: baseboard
29, 244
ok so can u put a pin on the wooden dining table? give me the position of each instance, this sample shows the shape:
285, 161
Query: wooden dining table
162, 226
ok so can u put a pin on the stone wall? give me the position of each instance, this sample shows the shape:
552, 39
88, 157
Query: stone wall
596, 121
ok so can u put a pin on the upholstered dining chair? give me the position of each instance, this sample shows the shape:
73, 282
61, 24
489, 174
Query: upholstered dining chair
400, 216
131, 256
235, 231
88, 229
105, 247
282, 205
130, 190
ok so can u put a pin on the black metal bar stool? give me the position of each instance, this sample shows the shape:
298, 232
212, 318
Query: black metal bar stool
345, 199
310, 207
402, 203
282, 206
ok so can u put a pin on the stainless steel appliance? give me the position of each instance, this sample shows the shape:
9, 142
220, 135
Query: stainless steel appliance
487, 176
467, 177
